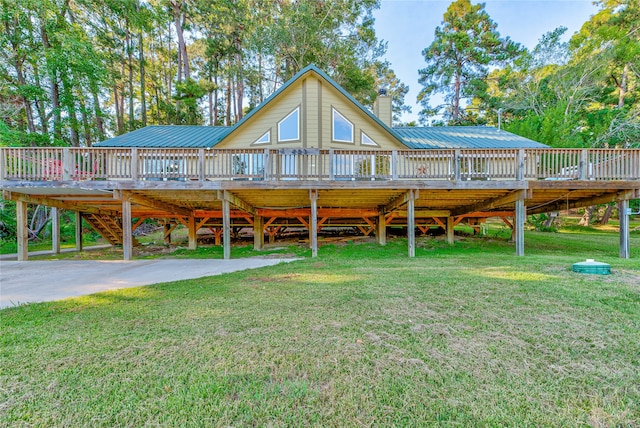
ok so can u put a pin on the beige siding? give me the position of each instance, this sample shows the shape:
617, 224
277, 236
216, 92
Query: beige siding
316, 99
267, 119
331, 98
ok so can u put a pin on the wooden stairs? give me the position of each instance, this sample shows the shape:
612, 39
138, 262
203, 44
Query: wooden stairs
109, 227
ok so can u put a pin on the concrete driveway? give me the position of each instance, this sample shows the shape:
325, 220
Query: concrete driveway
42, 281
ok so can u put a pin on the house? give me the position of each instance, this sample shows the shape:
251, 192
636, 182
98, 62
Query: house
311, 156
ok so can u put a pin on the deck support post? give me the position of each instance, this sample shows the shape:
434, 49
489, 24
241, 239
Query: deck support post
450, 226
520, 218
55, 230
411, 223
625, 247
167, 232
127, 233
226, 228
381, 232
258, 232
22, 232
193, 233
78, 230
313, 223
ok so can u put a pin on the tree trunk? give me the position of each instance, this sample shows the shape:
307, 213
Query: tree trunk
586, 217
143, 92
116, 102
98, 112
40, 107
455, 113
182, 47
607, 215
239, 83
228, 101
88, 139
129, 49
623, 86
55, 89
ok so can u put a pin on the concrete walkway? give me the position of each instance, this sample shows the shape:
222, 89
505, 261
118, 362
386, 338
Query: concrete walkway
42, 281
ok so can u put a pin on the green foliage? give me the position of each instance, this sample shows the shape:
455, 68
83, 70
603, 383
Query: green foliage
458, 60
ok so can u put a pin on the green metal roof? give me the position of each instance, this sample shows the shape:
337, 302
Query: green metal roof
448, 137
463, 137
169, 136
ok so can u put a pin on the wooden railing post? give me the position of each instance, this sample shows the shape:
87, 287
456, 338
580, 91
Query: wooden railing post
583, 168
266, 165
134, 164
3, 164
456, 165
201, 164
394, 165
520, 165
66, 164
331, 163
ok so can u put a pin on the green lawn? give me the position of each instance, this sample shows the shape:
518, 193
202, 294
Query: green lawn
468, 335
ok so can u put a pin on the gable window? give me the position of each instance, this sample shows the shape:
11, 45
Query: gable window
289, 127
342, 128
265, 139
367, 141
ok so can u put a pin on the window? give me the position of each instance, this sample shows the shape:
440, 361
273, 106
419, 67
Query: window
342, 128
289, 127
367, 141
265, 139
163, 168
247, 166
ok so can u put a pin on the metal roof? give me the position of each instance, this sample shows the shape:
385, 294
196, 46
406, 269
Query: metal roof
169, 136
463, 137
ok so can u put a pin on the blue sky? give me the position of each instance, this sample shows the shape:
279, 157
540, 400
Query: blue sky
408, 27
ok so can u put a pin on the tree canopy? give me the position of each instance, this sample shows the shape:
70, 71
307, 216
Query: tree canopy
74, 72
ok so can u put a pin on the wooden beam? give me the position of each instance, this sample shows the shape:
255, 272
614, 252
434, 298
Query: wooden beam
193, 238
450, 230
563, 204
440, 222
490, 204
49, 202
127, 233
226, 229
625, 247
313, 220
22, 231
152, 203
137, 224
258, 232
381, 232
236, 201
520, 218
78, 231
411, 229
401, 200
55, 230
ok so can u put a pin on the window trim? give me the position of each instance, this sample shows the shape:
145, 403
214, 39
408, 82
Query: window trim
295, 110
362, 143
262, 143
335, 111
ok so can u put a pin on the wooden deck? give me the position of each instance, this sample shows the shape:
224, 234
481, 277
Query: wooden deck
271, 189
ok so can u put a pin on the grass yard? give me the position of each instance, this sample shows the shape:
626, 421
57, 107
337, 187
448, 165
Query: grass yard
468, 335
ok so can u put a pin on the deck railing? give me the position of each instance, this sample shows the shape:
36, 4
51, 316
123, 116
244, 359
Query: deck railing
64, 164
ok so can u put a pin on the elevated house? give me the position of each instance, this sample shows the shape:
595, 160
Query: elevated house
311, 156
